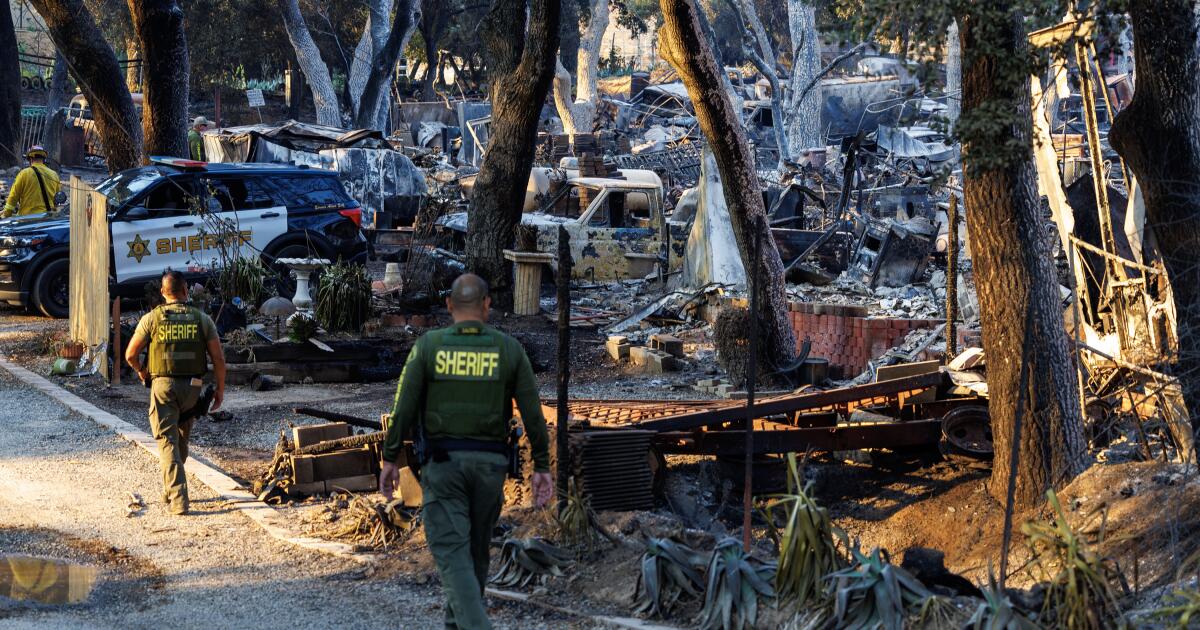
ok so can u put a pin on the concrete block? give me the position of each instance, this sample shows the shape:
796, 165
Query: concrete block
617, 347
638, 354
708, 382
658, 362
670, 344
314, 434
724, 390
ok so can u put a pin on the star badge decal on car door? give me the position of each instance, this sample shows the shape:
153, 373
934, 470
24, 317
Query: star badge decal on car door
138, 247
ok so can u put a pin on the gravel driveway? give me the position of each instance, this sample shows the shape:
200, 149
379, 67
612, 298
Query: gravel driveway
63, 475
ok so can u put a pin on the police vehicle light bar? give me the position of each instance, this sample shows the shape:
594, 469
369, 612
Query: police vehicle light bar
187, 165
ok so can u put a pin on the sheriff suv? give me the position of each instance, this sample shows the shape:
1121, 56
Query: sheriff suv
182, 215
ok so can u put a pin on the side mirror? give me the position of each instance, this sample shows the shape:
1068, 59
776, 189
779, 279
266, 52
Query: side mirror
136, 213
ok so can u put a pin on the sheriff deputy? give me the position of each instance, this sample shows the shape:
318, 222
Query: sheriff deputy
180, 336
459, 383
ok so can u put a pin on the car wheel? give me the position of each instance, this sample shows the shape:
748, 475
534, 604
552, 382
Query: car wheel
51, 289
285, 284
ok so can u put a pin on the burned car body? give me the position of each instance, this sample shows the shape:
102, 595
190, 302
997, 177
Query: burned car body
618, 229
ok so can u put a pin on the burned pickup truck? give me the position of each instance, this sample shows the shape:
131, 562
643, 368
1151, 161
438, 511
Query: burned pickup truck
618, 229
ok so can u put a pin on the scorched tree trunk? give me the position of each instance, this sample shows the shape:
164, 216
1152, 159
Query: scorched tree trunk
94, 66
159, 27
1013, 276
521, 65
683, 45
10, 91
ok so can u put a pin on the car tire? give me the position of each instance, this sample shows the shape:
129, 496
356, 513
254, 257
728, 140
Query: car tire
51, 289
285, 284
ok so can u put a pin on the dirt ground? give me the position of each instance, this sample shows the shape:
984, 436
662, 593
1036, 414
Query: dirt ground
895, 501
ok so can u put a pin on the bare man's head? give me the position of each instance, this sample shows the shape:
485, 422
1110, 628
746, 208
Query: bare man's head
469, 299
174, 287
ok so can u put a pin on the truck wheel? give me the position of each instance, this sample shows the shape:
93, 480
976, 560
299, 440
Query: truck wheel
51, 293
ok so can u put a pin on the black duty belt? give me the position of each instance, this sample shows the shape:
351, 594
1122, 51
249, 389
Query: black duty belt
440, 448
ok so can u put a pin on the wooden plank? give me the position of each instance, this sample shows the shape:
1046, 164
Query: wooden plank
89, 267
357, 483
893, 372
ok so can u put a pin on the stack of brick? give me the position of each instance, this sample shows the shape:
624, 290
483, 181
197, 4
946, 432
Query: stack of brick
561, 144
846, 336
591, 165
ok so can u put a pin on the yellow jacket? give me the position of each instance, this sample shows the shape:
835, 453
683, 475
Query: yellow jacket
25, 197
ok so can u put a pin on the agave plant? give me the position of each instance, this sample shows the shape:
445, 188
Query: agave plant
574, 523
524, 560
807, 548
939, 613
735, 582
344, 297
997, 612
874, 593
670, 571
1082, 586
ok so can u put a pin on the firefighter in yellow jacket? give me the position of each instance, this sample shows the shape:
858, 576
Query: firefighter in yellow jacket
34, 188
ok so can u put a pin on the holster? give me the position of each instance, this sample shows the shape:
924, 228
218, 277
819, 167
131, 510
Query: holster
514, 449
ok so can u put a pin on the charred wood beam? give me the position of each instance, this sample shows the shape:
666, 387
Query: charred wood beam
334, 416
354, 441
842, 438
792, 404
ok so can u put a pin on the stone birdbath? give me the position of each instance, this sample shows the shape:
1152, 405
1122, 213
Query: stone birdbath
302, 269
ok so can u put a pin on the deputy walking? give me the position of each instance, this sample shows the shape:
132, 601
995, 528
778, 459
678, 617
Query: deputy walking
458, 387
34, 188
179, 337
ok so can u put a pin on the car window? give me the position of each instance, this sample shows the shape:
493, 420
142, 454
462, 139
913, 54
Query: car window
310, 191
622, 210
638, 209
125, 185
227, 194
171, 197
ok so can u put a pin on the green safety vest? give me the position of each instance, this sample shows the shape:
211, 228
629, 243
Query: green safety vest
469, 383
177, 345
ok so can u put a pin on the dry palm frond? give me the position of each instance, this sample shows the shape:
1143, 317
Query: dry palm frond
670, 571
375, 525
874, 593
807, 549
524, 560
997, 612
1082, 589
735, 582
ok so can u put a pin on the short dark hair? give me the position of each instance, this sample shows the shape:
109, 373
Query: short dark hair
468, 291
174, 282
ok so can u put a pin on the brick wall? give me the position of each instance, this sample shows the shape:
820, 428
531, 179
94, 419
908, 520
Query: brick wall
846, 336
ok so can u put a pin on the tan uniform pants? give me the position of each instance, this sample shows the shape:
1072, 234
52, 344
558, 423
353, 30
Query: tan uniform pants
169, 398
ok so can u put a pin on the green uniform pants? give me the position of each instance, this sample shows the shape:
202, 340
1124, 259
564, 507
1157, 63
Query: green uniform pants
169, 397
462, 501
